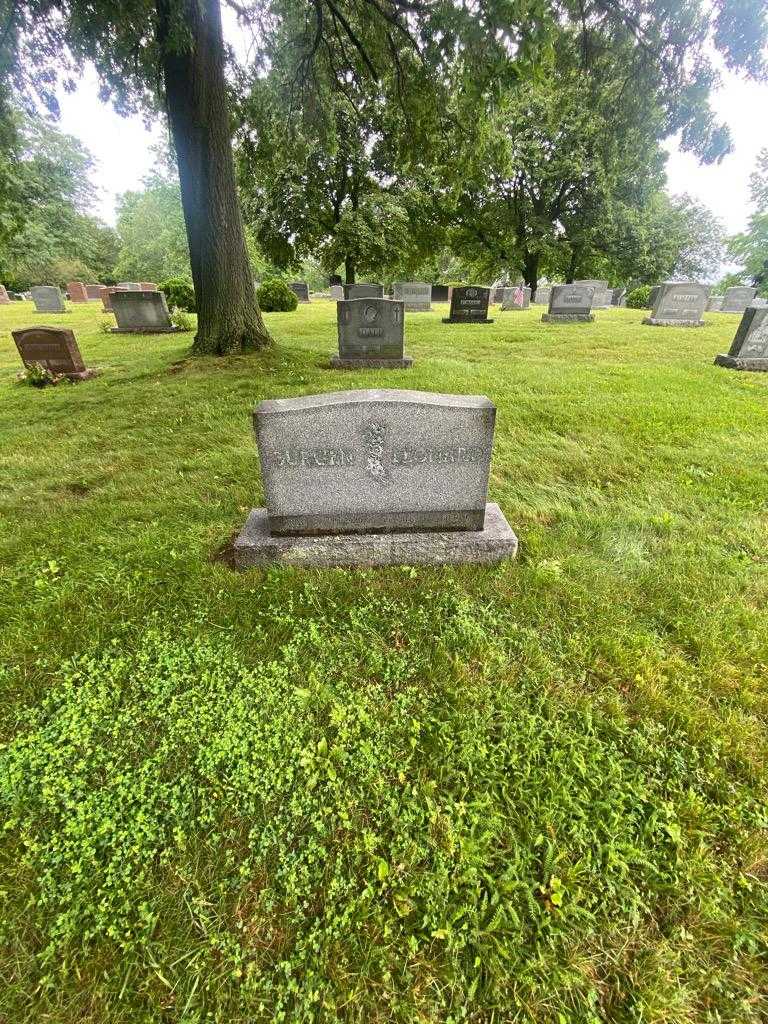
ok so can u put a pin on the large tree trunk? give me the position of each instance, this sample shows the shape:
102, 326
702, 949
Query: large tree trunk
531, 271
228, 316
349, 270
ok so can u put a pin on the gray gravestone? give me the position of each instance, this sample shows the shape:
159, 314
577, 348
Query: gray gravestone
469, 305
370, 335
517, 297
416, 295
749, 350
618, 297
678, 304
759, 302
130, 286
714, 303
737, 299
375, 478
440, 293
602, 295
542, 294
141, 313
300, 289
337, 292
569, 303
363, 291
54, 348
48, 299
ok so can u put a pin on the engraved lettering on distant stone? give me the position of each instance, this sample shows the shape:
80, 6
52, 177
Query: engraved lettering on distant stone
296, 458
373, 439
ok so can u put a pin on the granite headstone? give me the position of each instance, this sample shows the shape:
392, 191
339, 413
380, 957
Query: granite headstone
337, 292
517, 297
737, 299
141, 313
77, 291
749, 350
370, 335
440, 293
569, 303
618, 296
48, 299
364, 291
54, 348
469, 305
375, 478
714, 302
416, 295
300, 289
602, 293
679, 304
93, 291
542, 294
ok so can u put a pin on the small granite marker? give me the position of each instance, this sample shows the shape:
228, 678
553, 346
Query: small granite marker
4, 297
469, 305
678, 304
517, 297
737, 299
337, 292
749, 350
54, 348
300, 289
370, 335
363, 291
141, 313
48, 299
569, 303
375, 478
542, 294
416, 295
77, 292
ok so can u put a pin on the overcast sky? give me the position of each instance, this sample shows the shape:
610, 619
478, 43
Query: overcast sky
122, 148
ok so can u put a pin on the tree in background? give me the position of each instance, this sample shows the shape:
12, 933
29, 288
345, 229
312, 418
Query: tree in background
750, 248
56, 240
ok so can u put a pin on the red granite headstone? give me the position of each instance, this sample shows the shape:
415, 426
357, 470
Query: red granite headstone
106, 297
77, 292
147, 286
93, 291
4, 300
54, 348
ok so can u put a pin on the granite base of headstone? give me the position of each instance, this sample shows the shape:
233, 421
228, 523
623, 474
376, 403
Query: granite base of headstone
141, 313
469, 305
371, 335
749, 350
569, 304
515, 298
380, 477
53, 348
47, 299
678, 304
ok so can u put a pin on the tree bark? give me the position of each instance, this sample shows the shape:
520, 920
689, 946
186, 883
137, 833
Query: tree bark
531, 271
349, 270
228, 316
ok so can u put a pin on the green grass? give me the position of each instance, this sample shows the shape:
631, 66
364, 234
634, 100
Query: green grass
533, 792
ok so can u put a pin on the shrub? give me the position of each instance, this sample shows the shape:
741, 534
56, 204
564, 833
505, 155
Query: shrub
640, 298
181, 318
275, 296
179, 292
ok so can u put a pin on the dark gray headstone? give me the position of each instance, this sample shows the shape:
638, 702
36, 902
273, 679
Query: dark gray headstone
679, 304
53, 348
416, 295
48, 299
569, 303
440, 293
469, 305
141, 313
602, 295
516, 297
300, 289
363, 291
749, 350
737, 299
370, 334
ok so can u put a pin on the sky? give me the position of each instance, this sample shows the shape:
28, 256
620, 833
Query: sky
122, 146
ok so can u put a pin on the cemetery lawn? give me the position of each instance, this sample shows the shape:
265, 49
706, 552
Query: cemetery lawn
531, 792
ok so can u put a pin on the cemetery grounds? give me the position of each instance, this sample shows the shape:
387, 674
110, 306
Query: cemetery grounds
531, 792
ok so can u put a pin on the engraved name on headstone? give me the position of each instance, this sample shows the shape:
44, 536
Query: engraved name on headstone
737, 299
364, 291
679, 304
370, 334
54, 348
469, 305
749, 350
569, 303
416, 295
141, 313
375, 477
300, 289
48, 299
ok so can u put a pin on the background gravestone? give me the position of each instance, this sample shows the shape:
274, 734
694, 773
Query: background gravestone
77, 291
337, 292
737, 299
364, 291
54, 348
517, 297
619, 297
714, 302
652, 297
542, 294
93, 291
300, 289
377, 477
679, 304
749, 350
141, 313
132, 286
48, 299
602, 295
469, 305
370, 335
415, 295
4, 297
147, 286
440, 293
569, 303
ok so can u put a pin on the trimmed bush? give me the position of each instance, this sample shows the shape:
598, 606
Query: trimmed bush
275, 296
640, 298
179, 293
